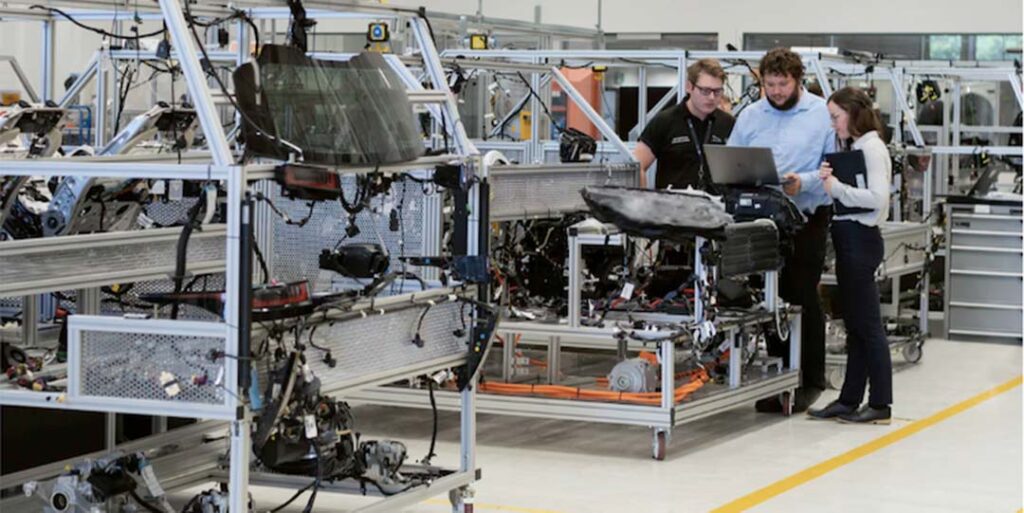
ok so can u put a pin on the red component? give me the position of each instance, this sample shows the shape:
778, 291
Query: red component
280, 295
306, 182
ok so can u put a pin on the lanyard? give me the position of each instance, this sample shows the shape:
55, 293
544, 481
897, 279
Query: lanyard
699, 145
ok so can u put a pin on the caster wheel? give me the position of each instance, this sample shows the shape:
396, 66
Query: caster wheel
659, 445
912, 352
461, 500
786, 398
836, 375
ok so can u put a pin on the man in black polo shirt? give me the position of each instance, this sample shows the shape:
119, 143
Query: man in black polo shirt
677, 135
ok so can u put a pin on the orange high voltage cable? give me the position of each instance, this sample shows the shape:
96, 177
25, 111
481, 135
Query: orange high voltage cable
698, 378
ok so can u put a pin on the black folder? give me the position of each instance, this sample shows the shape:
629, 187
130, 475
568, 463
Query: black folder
849, 168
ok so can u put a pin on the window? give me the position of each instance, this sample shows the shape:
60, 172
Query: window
945, 47
993, 47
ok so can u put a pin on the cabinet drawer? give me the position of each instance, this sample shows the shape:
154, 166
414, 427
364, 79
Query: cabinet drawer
985, 239
1009, 321
969, 288
972, 258
991, 223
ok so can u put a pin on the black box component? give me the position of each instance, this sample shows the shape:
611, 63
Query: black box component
749, 248
764, 203
576, 146
363, 260
449, 176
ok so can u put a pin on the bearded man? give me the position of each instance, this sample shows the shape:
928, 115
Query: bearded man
797, 127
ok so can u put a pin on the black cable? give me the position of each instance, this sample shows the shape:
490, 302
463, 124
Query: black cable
563, 64
422, 13
238, 14
540, 100
444, 131
384, 492
648, 63
146, 505
99, 31
319, 477
298, 493
182, 249
362, 194
259, 257
300, 223
223, 88
191, 502
401, 236
433, 435
125, 88
314, 345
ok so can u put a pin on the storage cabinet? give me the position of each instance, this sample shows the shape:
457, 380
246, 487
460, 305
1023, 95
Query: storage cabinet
984, 279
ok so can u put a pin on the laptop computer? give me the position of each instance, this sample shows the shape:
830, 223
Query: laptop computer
743, 166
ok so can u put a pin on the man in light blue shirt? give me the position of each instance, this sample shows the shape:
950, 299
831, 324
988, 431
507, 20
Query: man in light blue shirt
796, 126
799, 138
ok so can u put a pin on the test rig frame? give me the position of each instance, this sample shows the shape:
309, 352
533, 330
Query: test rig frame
82, 262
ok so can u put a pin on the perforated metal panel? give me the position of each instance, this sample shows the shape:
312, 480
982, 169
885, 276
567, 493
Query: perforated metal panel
131, 304
104, 259
171, 212
130, 365
380, 343
552, 190
296, 250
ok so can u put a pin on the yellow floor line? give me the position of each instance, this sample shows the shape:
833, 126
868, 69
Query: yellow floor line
753, 499
493, 507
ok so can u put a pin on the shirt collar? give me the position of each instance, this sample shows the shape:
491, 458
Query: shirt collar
862, 140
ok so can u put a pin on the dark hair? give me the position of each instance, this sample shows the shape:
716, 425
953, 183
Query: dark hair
860, 109
782, 61
709, 67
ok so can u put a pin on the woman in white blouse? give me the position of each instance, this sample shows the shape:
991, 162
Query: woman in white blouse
858, 245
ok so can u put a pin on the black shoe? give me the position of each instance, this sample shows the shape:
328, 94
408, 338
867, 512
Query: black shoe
834, 409
805, 397
769, 405
868, 415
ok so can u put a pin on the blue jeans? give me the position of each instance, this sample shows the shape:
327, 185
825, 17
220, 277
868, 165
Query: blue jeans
858, 253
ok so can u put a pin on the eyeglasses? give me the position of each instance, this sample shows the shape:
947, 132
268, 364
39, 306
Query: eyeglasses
709, 91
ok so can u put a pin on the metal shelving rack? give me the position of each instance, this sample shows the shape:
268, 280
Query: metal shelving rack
222, 408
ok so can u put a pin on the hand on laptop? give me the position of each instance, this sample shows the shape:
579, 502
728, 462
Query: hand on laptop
791, 184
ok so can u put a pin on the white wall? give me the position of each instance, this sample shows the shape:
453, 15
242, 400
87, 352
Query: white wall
732, 18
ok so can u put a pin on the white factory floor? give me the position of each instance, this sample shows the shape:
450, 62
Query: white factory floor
955, 446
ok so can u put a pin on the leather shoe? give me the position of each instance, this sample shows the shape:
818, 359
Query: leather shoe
805, 397
868, 415
833, 410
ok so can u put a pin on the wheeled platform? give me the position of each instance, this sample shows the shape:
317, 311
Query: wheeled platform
745, 383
